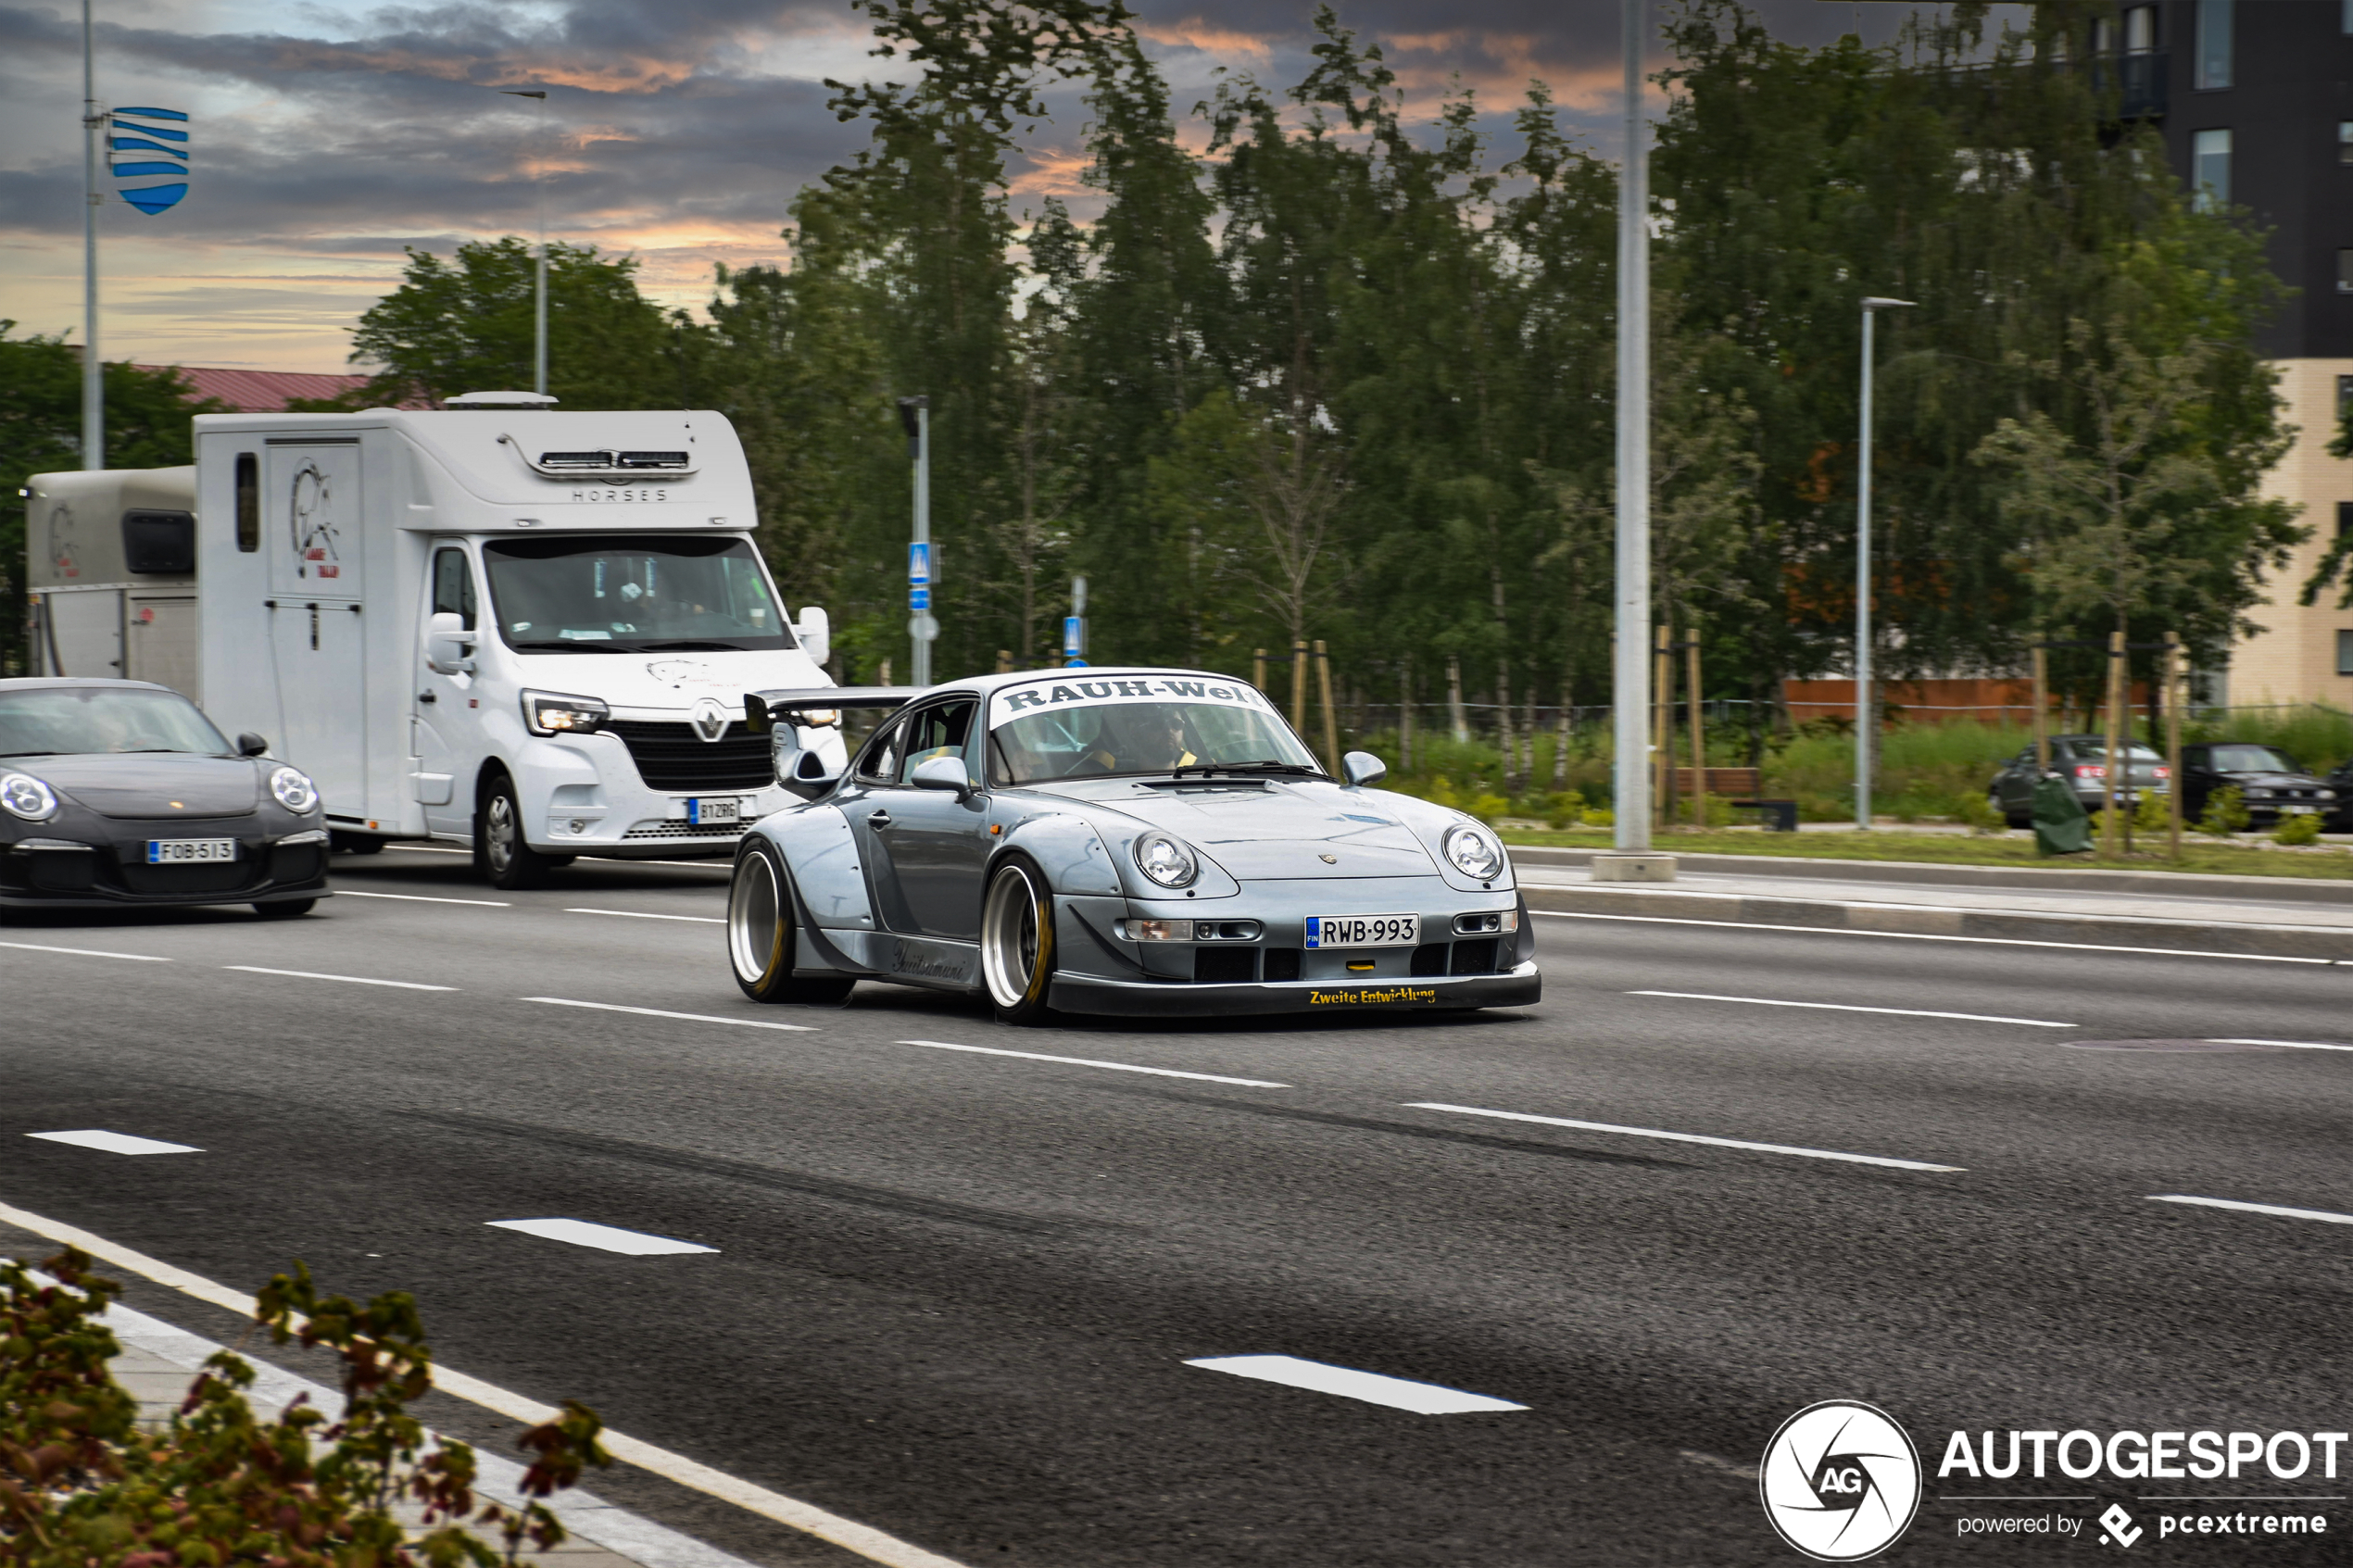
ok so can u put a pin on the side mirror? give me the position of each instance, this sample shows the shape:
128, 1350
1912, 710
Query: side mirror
251, 745
943, 772
815, 631
448, 643
1361, 768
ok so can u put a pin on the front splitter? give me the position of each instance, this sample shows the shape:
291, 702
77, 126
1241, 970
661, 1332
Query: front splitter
1076, 993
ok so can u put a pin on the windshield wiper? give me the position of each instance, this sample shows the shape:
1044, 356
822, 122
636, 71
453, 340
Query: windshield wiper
566, 647
689, 646
1299, 770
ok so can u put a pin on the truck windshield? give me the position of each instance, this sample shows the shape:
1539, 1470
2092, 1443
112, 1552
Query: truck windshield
80, 720
633, 594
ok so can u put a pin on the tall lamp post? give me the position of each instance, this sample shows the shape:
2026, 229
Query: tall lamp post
923, 627
539, 187
1866, 710
93, 374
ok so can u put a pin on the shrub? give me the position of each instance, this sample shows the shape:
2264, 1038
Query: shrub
1564, 811
2297, 831
1599, 817
1970, 808
2154, 814
1485, 807
2226, 812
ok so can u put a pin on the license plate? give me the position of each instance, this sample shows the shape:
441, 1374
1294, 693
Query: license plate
1363, 930
185, 852
726, 810
2299, 811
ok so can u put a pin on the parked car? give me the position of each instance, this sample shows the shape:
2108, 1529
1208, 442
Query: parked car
122, 793
1147, 841
2272, 783
2081, 760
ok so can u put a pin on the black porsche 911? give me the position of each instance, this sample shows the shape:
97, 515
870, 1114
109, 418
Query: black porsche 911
122, 793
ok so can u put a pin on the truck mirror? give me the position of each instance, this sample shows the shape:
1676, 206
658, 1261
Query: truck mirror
446, 642
816, 632
251, 745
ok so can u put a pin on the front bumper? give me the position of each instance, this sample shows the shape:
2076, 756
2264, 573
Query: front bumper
583, 796
1522, 986
107, 868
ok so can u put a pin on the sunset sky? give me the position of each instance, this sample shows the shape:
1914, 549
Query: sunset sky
329, 133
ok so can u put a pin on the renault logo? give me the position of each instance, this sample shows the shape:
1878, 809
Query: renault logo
712, 717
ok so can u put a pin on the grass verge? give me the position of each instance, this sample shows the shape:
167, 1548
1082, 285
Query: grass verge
2204, 856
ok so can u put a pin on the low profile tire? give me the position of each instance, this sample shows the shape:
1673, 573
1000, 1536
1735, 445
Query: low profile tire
1018, 944
760, 934
286, 909
500, 852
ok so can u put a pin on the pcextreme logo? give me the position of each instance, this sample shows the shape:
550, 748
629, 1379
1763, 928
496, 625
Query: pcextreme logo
1840, 1480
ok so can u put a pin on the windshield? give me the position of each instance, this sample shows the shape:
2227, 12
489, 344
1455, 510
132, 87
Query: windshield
632, 593
1079, 728
2253, 759
80, 719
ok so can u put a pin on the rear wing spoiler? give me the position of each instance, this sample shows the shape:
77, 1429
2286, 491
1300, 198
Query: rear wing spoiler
762, 708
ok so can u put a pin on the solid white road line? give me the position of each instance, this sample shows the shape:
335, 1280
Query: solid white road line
117, 1143
2253, 1208
2291, 1045
1688, 1137
422, 899
1089, 1061
607, 1239
1934, 936
1842, 1006
690, 1017
639, 914
347, 979
86, 952
847, 1534
1398, 1393
716, 863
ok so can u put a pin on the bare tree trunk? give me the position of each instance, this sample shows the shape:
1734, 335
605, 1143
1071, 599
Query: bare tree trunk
1405, 715
1454, 714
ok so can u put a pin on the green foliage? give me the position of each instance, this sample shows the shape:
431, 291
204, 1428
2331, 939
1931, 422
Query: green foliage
2154, 814
81, 1484
1970, 808
2297, 831
2225, 813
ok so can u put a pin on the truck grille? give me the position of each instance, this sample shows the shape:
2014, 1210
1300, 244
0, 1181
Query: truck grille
674, 756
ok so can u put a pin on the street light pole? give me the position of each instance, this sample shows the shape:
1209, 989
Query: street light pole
1866, 710
1630, 687
539, 188
923, 627
93, 374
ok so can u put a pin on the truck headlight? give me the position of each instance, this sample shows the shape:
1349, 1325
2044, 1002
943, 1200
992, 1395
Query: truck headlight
553, 713
23, 796
1165, 861
294, 790
1473, 850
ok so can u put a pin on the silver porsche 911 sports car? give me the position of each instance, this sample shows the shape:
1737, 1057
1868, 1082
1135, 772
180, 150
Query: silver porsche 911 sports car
1129, 841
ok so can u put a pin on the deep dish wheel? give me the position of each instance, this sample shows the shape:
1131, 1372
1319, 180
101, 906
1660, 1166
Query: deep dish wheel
1018, 944
759, 932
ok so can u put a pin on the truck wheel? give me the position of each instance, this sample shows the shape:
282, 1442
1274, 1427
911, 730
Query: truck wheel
500, 852
1018, 944
759, 932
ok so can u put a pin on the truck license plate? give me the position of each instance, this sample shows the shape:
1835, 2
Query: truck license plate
728, 808
185, 852
1363, 930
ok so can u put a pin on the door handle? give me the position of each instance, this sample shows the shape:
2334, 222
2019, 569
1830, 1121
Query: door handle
427, 696
880, 819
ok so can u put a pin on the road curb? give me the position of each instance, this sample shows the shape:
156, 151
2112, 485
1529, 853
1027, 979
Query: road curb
2154, 883
2244, 939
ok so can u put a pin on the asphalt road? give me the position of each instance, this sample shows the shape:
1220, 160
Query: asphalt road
955, 1292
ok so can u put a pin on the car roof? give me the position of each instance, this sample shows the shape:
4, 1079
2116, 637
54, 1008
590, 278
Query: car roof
44, 683
983, 684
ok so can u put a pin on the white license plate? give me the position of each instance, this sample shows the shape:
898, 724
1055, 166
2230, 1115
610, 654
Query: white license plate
184, 851
2299, 811
727, 809
1363, 930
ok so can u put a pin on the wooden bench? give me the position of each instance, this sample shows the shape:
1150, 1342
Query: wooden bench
1739, 787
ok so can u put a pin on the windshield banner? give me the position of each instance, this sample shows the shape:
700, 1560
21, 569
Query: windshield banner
1012, 702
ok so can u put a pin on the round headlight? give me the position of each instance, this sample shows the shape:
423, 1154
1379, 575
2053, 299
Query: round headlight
23, 796
1165, 861
294, 791
1474, 850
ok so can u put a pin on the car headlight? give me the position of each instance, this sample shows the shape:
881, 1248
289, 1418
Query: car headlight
23, 796
552, 713
294, 789
1165, 861
1473, 850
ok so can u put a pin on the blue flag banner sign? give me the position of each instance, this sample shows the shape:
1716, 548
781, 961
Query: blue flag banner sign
156, 136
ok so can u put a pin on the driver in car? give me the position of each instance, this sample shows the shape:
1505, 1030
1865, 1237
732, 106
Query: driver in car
1142, 740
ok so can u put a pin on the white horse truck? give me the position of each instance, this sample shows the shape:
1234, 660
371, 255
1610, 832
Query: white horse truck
509, 627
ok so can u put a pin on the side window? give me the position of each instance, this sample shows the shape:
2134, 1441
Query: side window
453, 586
937, 732
879, 764
248, 502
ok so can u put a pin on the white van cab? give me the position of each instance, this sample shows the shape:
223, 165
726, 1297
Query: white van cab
509, 627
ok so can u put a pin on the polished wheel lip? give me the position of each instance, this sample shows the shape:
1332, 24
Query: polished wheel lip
754, 885
1009, 938
500, 831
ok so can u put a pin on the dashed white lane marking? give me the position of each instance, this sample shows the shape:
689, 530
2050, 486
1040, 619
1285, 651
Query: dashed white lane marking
606, 1238
2291, 1045
1398, 1393
1688, 1137
2284, 1213
347, 979
1089, 1061
690, 1017
864, 1539
1842, 1006
86, 952
116, 1143
641, 914
1937, 937
425, 899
